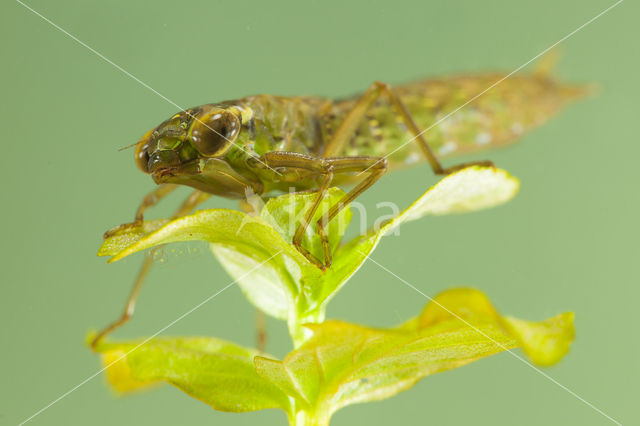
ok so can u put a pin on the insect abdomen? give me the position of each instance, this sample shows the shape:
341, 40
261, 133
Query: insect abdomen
495, 118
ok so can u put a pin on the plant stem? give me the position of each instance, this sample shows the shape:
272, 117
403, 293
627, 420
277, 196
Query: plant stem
303, 418
300, 334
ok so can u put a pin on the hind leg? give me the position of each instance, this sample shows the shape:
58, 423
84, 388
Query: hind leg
344, 132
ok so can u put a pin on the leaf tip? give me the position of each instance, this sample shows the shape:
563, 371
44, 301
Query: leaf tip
545, 342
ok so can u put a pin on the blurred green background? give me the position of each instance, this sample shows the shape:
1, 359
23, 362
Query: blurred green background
569, 241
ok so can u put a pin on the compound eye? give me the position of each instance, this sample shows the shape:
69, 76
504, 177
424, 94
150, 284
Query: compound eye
213, 134
142, 156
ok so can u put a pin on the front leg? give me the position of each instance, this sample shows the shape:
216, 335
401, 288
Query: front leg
319, 169
325, 169
150, 200
185, 208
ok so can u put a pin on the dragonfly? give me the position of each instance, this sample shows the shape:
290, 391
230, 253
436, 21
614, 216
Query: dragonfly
267, 144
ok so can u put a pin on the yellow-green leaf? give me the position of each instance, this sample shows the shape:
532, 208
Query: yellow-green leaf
545, 342
219, 373
126, 237
342, 363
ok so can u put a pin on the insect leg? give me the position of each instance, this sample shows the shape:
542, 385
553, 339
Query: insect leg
374, 166
353, 119
404, 113
189, 204
150, 200
348, 126
316, 167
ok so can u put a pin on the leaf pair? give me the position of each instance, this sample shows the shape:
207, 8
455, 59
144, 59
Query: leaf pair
288, 286
341, 363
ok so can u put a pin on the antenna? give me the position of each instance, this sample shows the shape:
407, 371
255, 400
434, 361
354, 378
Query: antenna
129, 146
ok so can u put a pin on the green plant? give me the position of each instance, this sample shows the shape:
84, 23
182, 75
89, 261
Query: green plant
333, 363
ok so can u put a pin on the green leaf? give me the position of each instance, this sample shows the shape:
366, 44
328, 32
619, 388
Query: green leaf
263, 286
471, 189
219, 373
342, 363
286, 212
253, 252
126, 237
288, 286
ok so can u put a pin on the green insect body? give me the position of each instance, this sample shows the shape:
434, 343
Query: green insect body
256, 125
